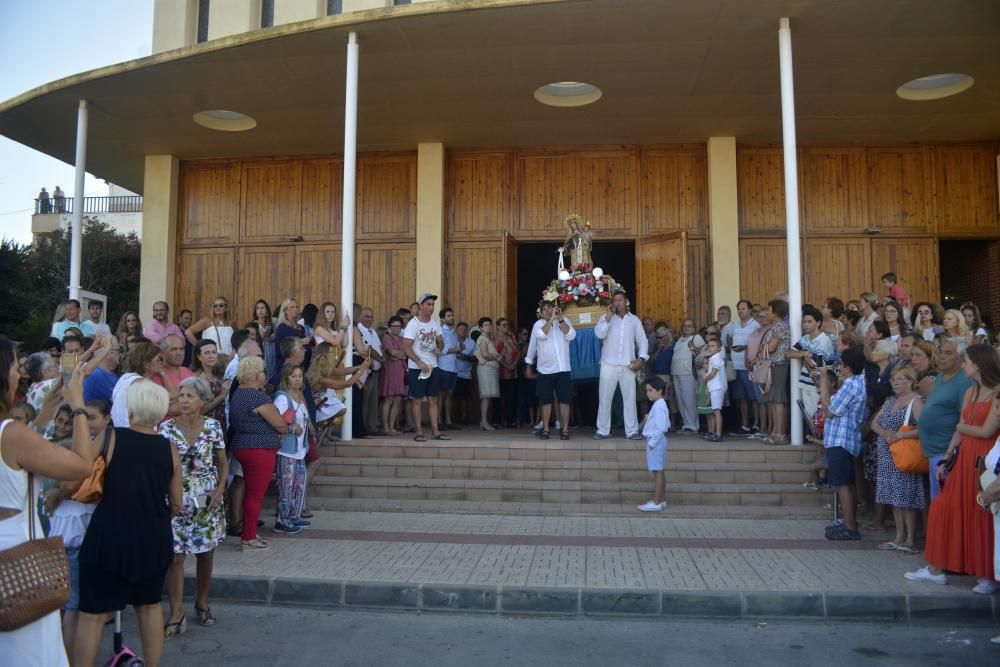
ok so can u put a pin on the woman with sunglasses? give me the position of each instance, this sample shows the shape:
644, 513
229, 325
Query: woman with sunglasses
217, 327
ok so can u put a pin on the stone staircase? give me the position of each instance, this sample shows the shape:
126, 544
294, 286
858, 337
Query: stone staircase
509, 468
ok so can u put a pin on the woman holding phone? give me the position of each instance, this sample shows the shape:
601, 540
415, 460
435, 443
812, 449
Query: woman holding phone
200, 524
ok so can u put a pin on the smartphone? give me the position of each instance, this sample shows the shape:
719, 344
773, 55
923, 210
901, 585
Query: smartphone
68, 362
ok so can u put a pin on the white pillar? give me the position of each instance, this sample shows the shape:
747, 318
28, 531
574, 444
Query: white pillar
350, 177
791, 217
76, 241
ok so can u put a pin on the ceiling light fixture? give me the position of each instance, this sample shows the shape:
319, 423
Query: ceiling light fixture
226, 121
935, 86
568, 94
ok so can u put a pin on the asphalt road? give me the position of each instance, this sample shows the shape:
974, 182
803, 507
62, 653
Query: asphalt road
250, 635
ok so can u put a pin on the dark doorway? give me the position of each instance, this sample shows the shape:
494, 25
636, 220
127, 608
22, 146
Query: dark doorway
970, 271
536, 268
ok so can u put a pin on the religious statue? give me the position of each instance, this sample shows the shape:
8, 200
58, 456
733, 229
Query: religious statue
579, 240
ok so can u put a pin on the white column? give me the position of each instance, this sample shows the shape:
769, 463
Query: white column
791, 217
76, 241
350, 176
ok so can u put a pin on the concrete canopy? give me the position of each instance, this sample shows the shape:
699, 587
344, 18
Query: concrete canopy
463, 73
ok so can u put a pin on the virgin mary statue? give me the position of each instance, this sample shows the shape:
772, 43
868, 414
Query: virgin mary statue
579, 240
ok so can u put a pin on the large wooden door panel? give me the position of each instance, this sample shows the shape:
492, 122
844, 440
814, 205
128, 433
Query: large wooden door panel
834, 189
474, 276
915, 263
322, 199
479, 194
900, 189
385, 277
662, 276
317, 273
209, 202
272, 200
763, 268
761, 189
836, 267
966, 188
265, 273
674, 190
202, 275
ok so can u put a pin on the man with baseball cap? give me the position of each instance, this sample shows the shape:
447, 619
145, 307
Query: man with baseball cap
423, 343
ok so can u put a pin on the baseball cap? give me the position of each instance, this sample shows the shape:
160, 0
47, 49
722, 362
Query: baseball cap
427, 295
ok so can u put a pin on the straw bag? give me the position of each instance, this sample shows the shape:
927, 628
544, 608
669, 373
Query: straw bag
34, 576
907, 454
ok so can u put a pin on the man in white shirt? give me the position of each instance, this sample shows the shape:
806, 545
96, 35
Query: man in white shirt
735, 336
448, 365
621, 335
369, 406
422, 343
869, 302
94, 325
551, 336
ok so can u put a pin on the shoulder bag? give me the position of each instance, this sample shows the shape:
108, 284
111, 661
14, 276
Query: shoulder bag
762, 368
92, 487
907, 454
34, 575
988, 477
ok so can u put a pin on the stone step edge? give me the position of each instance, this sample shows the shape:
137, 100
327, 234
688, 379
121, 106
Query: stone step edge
735, 444
599, 602
444, 482
519, 509
561, 465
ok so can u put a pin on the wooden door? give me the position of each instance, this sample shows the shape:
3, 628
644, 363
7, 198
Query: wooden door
317, 273
915, 263
202, 275
763, 268
272, 201
265, 272
662, 277
510, 276
837, 267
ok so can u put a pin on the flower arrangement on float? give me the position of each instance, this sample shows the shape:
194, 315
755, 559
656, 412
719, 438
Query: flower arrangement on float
581, 286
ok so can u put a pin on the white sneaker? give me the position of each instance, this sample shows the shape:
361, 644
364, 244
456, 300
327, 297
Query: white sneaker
925, 574
652, 507
995, 640
986, 587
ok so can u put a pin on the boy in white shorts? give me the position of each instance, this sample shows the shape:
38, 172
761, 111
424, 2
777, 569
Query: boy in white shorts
654, 428
715, 381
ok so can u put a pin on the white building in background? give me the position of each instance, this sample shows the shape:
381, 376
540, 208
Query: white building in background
120, 209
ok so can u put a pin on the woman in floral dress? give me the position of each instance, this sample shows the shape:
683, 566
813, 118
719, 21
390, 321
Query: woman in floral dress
200, 525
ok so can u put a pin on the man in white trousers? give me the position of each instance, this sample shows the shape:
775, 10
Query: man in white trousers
624, 348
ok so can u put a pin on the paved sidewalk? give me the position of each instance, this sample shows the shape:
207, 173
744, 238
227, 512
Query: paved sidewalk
707, 566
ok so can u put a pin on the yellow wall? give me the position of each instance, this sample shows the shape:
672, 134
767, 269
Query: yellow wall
231, 17
290, 11
175, 24
159, 233
723, 222
430, 218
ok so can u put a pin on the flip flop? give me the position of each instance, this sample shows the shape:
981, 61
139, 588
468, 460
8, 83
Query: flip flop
440, 436
889, 546
906, 551
419, 438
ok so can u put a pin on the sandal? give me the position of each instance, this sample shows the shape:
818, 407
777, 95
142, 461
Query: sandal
889, 546
235, 529
254, 544
419, 438
907, 551
205, 616
175, 628
544, 435
564, 435
440, 436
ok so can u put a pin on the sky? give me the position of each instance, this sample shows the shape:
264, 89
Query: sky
45, 40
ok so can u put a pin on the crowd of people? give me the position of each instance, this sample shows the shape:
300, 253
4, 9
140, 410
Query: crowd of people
207, 412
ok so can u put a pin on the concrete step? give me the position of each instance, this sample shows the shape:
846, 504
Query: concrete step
572, 492
564, 471
531, 449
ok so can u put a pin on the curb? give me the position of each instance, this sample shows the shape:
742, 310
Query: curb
599, 602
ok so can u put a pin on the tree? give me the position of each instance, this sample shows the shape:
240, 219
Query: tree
110, 266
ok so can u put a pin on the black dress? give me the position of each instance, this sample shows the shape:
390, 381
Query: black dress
129, 543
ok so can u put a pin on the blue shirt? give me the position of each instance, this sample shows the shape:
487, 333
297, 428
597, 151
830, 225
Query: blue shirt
99, 385
849, 408
942, 410
447, 362
464, 368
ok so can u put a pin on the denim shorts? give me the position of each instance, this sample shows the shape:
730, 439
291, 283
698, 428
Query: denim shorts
73, 555
743, 388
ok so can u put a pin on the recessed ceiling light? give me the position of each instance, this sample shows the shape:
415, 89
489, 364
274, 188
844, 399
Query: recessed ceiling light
568, 94
226, 121
935, 86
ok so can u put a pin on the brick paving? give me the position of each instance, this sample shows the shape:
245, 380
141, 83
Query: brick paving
579, 552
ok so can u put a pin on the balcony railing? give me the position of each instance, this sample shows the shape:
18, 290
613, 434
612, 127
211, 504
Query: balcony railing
129, 204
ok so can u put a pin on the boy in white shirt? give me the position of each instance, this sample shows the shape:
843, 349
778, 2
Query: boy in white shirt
654, 430
715, 381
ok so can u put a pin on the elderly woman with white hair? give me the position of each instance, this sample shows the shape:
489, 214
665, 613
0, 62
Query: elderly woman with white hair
200, 524
129, 544
257, 427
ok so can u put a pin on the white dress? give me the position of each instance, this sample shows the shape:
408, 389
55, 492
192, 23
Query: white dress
222, 337
40, 643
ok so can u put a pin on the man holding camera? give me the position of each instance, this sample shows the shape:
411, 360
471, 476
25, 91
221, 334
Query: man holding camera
551, 336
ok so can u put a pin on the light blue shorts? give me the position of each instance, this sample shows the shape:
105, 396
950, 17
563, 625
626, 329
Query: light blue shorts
656, 453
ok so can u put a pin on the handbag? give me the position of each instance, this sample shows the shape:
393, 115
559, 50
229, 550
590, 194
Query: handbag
730, 371
34, 576
907, 454
92, 487
762, 370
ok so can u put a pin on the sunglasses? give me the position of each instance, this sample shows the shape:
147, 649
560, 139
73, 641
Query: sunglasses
218, 305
